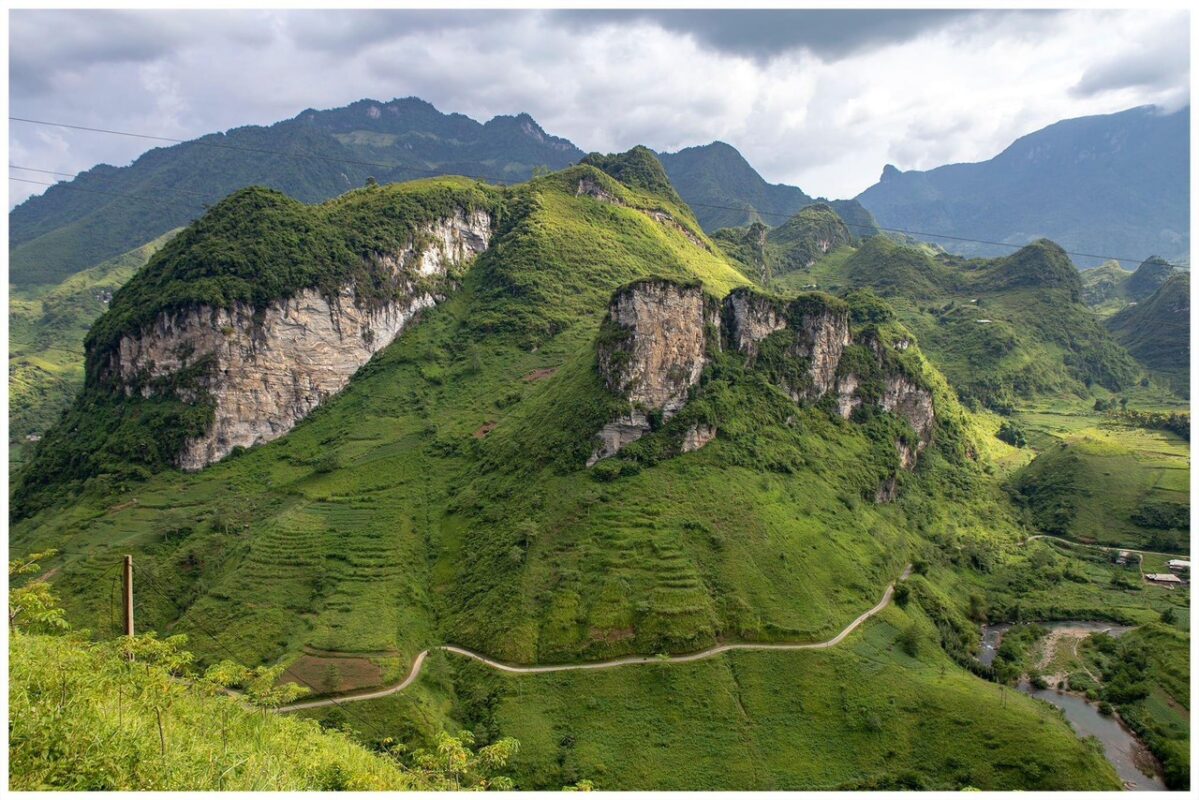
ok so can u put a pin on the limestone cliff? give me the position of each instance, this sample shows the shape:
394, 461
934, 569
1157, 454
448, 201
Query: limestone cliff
265, 369
652, 350
659, 336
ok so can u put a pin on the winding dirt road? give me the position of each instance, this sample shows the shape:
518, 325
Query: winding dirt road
616, 662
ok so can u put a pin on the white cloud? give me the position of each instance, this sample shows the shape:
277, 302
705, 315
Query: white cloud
916, 93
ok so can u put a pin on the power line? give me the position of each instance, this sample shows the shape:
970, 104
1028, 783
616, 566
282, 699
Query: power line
924, 233
309, 155
62, 185
261, 150
46, 171
77, 175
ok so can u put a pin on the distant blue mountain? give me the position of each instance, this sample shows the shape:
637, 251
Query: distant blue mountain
1114, 185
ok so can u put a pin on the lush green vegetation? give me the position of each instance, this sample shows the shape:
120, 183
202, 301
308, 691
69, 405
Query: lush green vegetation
46, 333
255, 247
1157, 331
70, 229
1002, 331
442, 497
1108, 483
794, 245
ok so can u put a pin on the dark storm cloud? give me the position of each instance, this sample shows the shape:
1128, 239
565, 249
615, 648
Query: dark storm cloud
351, 31
762, 34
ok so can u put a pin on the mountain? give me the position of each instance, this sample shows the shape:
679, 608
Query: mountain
1109, 288
724, 191
1113, 184
1157, 330
80, 223
796, 244
553, 424
1002, 330
717, 174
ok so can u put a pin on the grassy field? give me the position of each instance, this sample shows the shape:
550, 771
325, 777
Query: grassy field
97, 722
1101, 481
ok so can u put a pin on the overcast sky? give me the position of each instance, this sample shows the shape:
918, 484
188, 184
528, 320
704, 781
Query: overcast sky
817, 99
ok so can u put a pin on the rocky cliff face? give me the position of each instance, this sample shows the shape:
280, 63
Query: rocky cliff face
818, 332
264, 370
652, 350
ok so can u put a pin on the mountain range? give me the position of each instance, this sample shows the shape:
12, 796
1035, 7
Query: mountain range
1117, 185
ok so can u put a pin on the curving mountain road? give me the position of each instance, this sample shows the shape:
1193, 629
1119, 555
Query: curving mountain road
616, 662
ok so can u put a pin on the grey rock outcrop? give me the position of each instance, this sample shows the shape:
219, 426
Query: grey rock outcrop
653, 349
657, 339
820, 333
266, 369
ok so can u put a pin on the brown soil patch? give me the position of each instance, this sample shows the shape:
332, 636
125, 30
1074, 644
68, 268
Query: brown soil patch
610, 635
539, 374
486, 428
331, 675
122, 506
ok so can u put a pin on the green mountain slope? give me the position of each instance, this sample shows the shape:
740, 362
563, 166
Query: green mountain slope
1157, 331
794, 245
444, 496
1000, 330
64, 230
1114, 183
46, 333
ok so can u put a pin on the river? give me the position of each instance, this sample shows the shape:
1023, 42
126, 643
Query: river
1120, 746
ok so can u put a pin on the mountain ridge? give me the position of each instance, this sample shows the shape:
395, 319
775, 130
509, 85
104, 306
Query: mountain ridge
1101, 184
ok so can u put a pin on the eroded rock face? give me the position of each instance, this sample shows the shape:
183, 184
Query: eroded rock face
749, 318
265, 370
902, 397
821, 333
821, 337
652, 351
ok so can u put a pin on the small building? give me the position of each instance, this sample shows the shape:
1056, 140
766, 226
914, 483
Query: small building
1163, 578
1122, 557
1179, 565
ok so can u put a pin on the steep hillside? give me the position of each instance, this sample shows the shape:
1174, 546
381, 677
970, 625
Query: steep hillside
797, 244
717, 174
46, 332
1104, 287
600, 442
724, 191
64, 231
1157, 331
1000, 330
1112, 184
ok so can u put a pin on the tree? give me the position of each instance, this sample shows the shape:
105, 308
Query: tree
452, 762
33, 606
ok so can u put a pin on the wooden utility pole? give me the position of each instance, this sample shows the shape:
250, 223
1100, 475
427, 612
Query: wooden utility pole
129, 595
